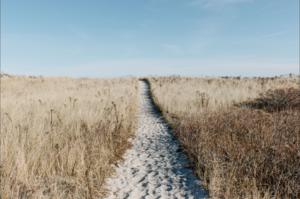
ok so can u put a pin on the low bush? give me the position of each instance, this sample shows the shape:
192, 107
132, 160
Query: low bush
243, 153
276, 100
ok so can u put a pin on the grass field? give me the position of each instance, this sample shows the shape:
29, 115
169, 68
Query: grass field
241, 135
60, 135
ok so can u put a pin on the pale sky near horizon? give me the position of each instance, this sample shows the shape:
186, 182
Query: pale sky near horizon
111, 38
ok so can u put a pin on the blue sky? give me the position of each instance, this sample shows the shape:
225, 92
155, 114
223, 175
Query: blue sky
110, 38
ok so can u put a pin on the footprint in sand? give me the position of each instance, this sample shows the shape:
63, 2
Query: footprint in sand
153, 168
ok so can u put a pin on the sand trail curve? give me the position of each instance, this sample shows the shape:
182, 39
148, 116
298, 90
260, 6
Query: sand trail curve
153, 168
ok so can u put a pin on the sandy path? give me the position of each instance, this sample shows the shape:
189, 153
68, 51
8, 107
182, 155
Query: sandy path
153, 168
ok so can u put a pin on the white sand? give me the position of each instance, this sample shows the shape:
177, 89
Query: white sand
153, 168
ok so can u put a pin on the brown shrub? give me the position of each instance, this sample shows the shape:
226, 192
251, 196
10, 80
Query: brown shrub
243, 153
276, 100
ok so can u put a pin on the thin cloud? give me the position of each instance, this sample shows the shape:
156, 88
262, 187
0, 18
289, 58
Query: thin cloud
276, 13
127, 34
173, 49
190, 67
264, 8
155, 66
270, 35
212, 4
79, 32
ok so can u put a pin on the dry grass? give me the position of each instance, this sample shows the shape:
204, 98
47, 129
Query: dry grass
60, 135
243, 153
179, 95
238, 152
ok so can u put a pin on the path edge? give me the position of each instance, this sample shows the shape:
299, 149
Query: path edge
171, 127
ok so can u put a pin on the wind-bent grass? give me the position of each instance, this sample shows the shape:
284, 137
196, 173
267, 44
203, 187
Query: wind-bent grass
237, 150
60, 135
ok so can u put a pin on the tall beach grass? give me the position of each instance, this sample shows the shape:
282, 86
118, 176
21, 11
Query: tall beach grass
60, 135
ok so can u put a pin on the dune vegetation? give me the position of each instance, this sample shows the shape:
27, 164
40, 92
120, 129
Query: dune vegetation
60, 135
240, 135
